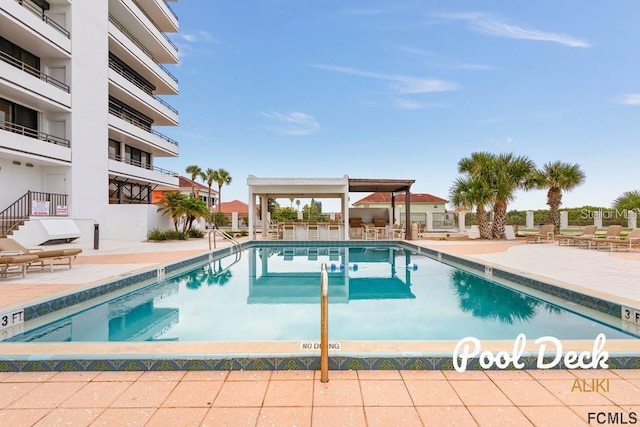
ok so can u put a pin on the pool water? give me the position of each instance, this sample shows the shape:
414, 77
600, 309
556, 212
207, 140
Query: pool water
273, 294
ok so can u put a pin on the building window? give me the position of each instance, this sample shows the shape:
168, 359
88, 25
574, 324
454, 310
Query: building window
18, 118
114, 149
20, 55
137, 157
435, 206
136, 118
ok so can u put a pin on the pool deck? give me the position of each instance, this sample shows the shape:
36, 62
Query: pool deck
551, 397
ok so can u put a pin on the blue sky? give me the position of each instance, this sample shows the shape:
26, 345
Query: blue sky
405, 89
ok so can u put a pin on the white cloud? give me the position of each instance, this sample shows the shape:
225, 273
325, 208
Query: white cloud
198, 36
399, 83
410, 104
293, 124
485, 24
629, 99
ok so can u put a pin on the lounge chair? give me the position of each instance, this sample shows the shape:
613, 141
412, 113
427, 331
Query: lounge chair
545, 235
628, 242
13, 262
613, 232
369, 232
589, 232
45, 257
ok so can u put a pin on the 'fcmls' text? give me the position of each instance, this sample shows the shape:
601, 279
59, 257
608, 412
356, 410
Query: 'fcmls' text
470, 347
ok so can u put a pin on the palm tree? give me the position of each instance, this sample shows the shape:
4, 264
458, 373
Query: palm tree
298, 204
509, 174
172, 204
208, 177
475, 188
195, 171
222, 177
629, 201
194, 209
292, 199
468, 193
556, 177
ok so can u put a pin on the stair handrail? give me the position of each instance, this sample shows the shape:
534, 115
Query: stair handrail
15, 214
20, 211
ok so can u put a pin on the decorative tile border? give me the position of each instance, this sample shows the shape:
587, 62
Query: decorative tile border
337, 363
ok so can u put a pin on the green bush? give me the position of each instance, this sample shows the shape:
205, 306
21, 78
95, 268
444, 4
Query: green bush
220, 219
158, 235
195, 234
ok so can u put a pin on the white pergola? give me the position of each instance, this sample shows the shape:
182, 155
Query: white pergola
300, 188
326, 188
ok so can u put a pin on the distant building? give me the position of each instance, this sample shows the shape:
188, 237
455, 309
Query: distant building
421, 203
227, 208
186, 187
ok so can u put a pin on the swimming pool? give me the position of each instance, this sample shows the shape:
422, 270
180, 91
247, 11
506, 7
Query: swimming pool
271, 293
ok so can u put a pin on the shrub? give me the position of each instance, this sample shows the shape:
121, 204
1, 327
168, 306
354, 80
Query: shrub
159, 235
195, 234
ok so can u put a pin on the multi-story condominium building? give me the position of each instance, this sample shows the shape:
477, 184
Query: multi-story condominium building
79, 116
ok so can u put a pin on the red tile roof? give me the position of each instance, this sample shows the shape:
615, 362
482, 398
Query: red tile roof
386, 198
233, 206
185, 183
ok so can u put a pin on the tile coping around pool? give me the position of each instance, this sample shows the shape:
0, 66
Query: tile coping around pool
20, 357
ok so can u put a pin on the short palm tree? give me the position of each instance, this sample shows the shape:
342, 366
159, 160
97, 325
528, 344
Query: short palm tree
629, 201
195, 172
556, 177
208, 177
470, 193
194, 209
509, 173
172, 204
476, 186
222, 177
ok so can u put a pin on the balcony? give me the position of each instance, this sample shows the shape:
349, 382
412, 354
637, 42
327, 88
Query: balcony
125, 126
132, 51
33, 32
137, 171
33, 142
144, 87
33, 71
29, 86
131, 94
130, 17
160, 13
39, 12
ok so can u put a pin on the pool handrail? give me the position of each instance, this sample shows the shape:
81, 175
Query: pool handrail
224, 234
324, 323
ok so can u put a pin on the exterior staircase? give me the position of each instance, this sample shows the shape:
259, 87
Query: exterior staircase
31, 203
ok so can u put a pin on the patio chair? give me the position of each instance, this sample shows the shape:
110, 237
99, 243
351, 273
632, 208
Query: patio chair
545, 235
288, 231
45, 257
398, 232
613, 232
333, 230
628, 242
589, 232
355, 227
312, 230
369, 232
12, 262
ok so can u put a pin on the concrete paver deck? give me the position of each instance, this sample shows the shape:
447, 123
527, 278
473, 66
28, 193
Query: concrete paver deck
557, 397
